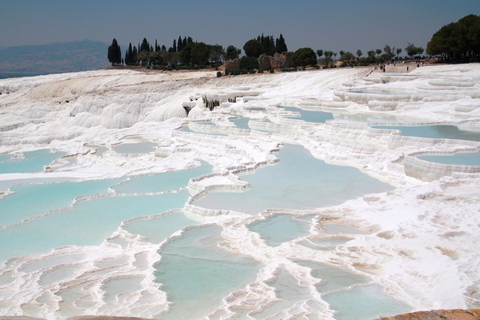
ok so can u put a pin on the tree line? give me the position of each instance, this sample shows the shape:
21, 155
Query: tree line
457, 41
183, 52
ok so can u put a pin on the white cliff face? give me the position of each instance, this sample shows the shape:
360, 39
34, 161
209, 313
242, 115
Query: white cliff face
418, 241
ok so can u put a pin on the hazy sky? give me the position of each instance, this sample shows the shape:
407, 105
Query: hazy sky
322, 24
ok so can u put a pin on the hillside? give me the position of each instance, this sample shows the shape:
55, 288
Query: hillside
53, 58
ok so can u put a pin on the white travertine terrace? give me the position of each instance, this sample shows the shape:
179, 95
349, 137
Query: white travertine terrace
419, 241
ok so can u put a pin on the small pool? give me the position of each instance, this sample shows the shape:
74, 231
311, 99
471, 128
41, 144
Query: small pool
241, 123
280, 228
310, 116
435, 132
465, 159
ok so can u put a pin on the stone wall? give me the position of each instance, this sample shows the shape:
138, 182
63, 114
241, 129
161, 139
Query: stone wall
281, 60
232, 65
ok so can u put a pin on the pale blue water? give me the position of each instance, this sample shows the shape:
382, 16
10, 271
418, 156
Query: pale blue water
157, 229
241, 123
88, 223
45, 197
32, 162
280, 228
466, 159
310, 116
162, 182
348, 294
196, 273
287, 290
298, 181
435, 132
364, 303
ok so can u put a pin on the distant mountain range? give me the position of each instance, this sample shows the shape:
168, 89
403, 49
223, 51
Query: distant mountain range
53, 58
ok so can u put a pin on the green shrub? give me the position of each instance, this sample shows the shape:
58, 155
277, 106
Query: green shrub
219, 74
272, 70
260, 70
249, 63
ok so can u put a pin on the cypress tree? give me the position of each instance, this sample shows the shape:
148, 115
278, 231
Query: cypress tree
114, 53
145, 46
179, 44
280, 45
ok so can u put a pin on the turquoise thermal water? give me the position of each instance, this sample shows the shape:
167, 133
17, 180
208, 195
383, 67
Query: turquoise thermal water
33, 161
466, 159
435, 132
351, 295
173, 180
241, 123
288, 292
280, 228
88, 223
310, 116
159, 228
197, 273
46, 197
364, 303
298, 181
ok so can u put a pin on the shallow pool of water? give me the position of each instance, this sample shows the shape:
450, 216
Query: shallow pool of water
465, 159
197, 274
280, 228
241, 123
157, 229
173, 180
364, 303
33, 161
435, 132
298, 181
309, 115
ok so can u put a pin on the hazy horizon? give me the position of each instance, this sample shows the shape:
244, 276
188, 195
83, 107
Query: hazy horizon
341, 25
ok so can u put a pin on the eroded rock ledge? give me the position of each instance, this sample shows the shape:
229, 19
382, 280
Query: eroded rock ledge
455, 314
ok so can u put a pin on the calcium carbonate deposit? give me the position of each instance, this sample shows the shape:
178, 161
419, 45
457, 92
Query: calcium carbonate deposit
272, 196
